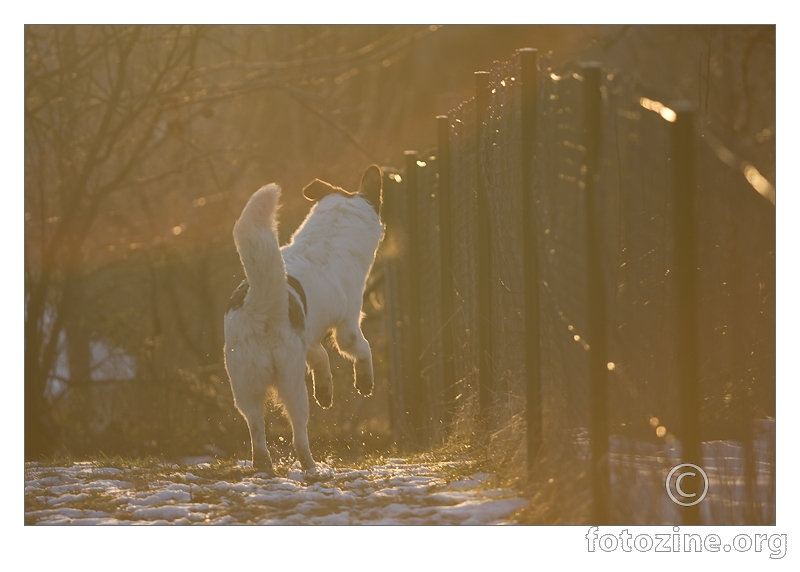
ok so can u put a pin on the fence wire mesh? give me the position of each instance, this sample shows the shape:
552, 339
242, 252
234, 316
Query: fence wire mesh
736, 294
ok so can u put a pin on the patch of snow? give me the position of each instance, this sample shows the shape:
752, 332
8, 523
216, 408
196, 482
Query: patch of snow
67, 498
203, 461
101, 471
481, 511
106, 485
94, 521
167, 513
393, 493
160, 497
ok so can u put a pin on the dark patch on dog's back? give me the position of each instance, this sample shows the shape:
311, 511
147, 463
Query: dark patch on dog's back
237, 298
296, 315
295, 283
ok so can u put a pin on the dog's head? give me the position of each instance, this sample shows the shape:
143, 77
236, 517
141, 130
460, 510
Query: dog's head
370, 190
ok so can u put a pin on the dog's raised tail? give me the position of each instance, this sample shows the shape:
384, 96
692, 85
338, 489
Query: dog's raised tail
256, 238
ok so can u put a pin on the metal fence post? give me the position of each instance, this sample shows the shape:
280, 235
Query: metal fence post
446, 262
483, 254
533, 380
688, 365
415, 394
393, 307
597, 315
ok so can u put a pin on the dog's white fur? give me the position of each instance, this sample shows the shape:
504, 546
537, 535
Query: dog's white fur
331, 255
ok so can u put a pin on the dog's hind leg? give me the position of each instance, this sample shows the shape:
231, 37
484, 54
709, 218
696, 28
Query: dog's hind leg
320, 365
253, 411
294, 397
351, 342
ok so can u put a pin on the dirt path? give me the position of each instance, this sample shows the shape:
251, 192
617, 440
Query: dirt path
394, 492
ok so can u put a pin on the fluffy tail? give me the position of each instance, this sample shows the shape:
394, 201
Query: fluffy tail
256, 238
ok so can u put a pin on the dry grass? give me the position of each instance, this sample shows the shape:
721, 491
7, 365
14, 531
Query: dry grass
559, 487
558, 491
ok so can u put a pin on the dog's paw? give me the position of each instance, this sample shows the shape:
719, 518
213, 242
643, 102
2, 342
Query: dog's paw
323, 394
364, 381
262, 464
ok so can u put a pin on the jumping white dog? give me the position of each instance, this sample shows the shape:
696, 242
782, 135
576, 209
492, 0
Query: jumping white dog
292, 297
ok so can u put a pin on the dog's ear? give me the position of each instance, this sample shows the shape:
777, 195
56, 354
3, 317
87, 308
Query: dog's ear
372, 185
317, 190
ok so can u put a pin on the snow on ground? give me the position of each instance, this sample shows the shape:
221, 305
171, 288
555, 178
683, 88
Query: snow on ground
396, 492
638, 470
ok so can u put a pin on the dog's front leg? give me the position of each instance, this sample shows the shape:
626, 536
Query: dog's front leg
364, 376
320, 365
352, 343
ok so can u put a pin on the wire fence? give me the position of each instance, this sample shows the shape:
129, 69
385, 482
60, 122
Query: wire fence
574, 262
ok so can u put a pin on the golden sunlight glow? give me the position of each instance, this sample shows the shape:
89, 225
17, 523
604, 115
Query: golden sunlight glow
611, 366
753, 176
661, 431
669, 115
658, 107
759, 182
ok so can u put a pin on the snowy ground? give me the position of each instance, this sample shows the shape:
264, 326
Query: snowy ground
638, 470
395, 492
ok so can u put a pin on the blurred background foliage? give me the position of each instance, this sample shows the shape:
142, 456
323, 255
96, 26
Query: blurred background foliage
142, 144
